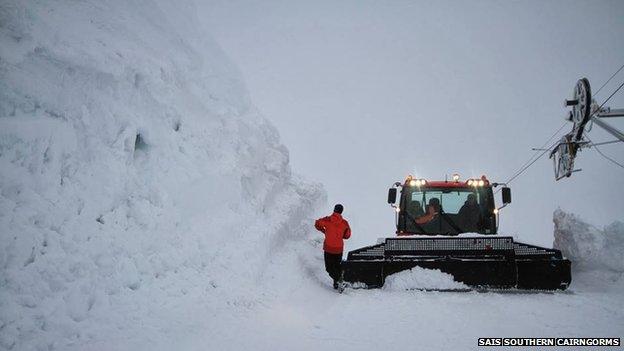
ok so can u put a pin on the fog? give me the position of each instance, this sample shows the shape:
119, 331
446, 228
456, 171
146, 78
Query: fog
364, 93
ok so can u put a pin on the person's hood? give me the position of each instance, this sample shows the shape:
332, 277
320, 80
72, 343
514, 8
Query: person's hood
336, 215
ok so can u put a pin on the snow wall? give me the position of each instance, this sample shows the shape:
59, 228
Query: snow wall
588, 247
133, 170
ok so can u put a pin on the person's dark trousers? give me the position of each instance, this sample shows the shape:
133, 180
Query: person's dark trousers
333, 266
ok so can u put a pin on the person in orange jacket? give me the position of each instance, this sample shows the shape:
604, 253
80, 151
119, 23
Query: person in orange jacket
335, 229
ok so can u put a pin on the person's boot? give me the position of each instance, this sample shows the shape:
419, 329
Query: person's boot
340, 286
336, 284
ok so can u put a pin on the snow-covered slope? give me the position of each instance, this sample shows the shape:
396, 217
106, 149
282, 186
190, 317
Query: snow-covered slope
133, 170
590, 248
596, 254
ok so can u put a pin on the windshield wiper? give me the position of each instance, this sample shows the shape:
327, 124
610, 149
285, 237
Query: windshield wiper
451, 223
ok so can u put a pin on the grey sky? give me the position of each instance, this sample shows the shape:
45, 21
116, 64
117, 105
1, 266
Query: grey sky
366, 92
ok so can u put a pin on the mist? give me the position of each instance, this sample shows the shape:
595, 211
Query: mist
364, 93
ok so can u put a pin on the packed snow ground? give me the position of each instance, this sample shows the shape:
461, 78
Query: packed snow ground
299, 309
146, 205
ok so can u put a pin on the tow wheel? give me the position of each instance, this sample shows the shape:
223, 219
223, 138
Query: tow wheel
581, 104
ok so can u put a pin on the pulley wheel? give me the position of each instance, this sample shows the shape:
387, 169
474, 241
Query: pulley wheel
582, 109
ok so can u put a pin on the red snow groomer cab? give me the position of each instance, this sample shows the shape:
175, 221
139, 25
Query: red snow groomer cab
450, 225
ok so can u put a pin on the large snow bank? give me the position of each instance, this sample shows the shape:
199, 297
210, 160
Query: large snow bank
589, 247
133, 171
